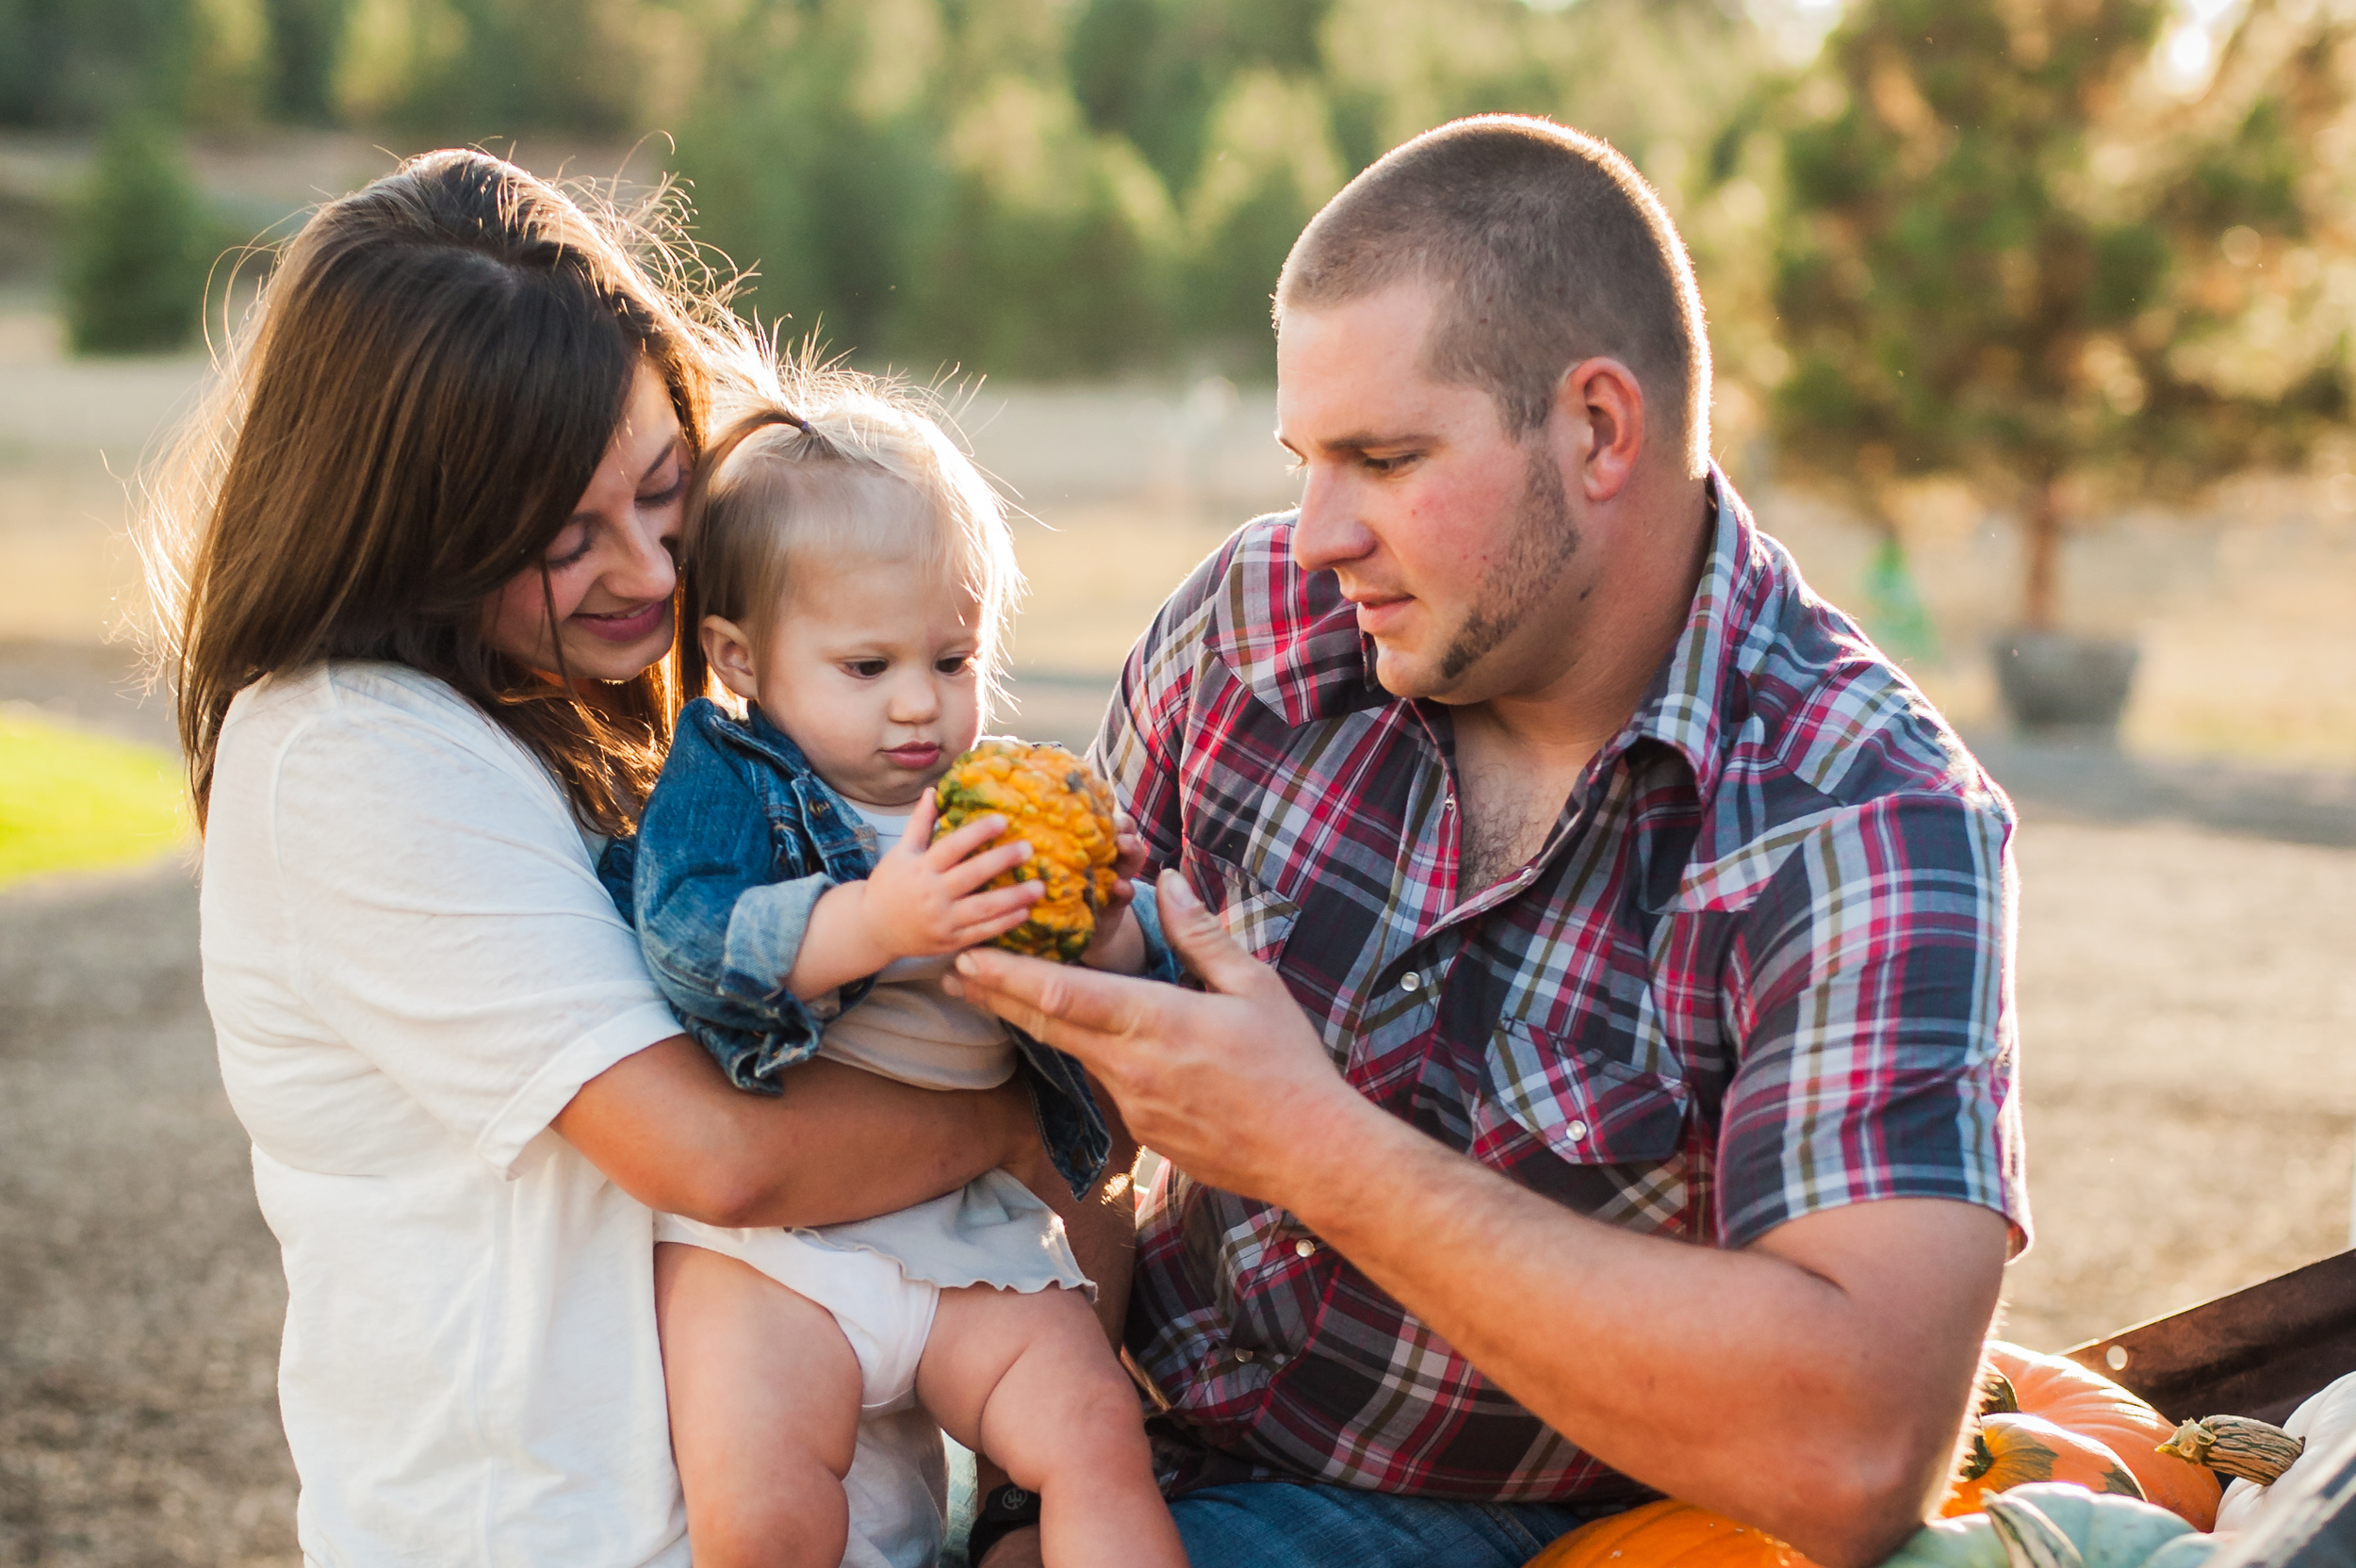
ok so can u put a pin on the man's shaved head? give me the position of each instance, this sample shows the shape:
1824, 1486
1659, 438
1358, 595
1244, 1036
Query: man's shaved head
1547, 249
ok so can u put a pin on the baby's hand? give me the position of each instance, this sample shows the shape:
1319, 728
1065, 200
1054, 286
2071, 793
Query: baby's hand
920, 900
1119, 943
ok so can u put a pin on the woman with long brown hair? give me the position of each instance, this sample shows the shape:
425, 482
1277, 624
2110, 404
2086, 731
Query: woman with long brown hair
420, 623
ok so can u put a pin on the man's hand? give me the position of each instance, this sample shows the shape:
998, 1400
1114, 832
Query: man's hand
1231, 1084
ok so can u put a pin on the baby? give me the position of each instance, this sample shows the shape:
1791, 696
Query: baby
848, 572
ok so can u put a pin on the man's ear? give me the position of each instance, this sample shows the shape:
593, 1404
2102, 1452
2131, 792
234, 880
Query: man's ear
729, 653
1603, 399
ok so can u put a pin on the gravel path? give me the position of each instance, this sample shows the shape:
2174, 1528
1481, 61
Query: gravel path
139, 1292
2189, 1018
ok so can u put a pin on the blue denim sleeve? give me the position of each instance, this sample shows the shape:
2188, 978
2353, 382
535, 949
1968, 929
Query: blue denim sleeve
718, 930
1161, 962
616, 868
1070, 1126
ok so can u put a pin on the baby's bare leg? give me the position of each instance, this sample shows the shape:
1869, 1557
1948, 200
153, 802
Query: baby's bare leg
1028, 1380
765, 1397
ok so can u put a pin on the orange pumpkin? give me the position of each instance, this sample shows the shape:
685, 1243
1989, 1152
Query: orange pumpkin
2009, 1450
1668, 1534
2092, 1406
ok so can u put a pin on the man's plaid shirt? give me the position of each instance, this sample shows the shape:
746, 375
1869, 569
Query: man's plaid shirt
1762, 967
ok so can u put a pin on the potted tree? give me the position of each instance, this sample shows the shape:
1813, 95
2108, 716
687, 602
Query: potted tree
2010, 252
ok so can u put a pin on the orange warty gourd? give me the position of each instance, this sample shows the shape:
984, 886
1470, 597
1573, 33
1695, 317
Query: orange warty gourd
1668, 1534
2085, 1402
2010, 1450
1052, 800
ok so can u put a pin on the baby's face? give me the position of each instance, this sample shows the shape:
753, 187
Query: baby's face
870, 669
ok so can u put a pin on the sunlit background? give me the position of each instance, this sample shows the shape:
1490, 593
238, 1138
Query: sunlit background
2035, 333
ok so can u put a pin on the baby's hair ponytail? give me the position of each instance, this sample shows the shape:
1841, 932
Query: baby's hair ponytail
814, 474
696, 678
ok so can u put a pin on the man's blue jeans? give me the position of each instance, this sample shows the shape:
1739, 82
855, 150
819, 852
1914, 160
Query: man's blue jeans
1287, 1525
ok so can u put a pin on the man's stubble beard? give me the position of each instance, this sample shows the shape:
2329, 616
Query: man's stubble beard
1545, 539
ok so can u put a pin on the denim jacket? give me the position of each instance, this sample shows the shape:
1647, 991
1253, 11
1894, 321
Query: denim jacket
737, 843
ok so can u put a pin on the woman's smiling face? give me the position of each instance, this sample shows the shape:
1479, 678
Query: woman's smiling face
609, 572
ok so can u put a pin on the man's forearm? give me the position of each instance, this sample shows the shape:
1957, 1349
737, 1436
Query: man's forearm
1753, 1383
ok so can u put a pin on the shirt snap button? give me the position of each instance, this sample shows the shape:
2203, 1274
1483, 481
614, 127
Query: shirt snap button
1410, 981
1243, 1355
1304, 1249
1575, 1132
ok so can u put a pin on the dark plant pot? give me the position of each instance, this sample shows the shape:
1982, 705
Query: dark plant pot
2051, 680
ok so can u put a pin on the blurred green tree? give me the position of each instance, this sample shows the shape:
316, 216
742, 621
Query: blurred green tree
458, 70
811, 152
1054, 255
1156, 71
136, 264
1026, 187
76, 62
305, 37
2009, 254
1269, 164
911, 185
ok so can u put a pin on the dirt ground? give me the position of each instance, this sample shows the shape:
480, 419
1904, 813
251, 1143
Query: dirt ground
140, 1293
2187, 1013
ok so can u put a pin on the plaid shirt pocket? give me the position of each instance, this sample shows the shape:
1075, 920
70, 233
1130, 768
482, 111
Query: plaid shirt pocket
1257, 917
1584, 1105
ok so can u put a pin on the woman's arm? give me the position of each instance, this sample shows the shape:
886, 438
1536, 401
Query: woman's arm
839, 1144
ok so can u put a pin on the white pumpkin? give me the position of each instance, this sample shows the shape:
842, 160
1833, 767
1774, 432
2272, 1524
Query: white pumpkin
2320, 1423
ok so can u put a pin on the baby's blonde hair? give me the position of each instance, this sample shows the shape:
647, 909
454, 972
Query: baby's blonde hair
847, 466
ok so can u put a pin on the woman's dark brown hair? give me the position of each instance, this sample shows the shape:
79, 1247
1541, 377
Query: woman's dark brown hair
426, 386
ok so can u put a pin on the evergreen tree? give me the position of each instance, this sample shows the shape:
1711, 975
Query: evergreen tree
1070, 186
304, 36
1054, 257
136, 265
1156, 71
910, 187
2000, 261
1271, 165
79, 62
814, 159
460, 70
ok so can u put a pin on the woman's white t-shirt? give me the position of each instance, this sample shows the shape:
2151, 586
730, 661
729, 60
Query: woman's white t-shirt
412, 968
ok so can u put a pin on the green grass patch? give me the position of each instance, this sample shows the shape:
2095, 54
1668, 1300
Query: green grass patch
76, 802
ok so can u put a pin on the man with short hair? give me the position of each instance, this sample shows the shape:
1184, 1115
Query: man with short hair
1602, 1078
